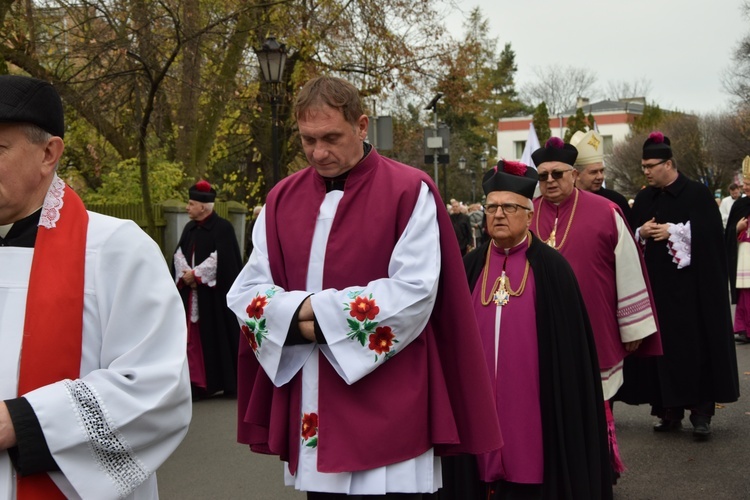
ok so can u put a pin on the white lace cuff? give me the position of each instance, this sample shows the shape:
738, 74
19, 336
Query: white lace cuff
679, 245
207, 270
180, 265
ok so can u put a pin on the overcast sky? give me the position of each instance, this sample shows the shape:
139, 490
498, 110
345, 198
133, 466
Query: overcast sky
683, 47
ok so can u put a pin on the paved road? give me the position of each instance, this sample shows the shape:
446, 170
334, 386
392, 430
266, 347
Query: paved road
210, 465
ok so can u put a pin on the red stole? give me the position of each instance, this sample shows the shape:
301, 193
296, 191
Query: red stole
435, 393
51, 350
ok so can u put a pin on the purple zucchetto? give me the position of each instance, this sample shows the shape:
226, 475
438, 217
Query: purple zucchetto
510, 176
27, 100
555, 150
657, 147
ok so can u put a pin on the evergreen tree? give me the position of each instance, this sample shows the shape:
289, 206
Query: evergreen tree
652, 116
575, 123
541, 123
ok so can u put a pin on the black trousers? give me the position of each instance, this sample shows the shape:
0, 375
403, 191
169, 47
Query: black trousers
700, 412
504, 490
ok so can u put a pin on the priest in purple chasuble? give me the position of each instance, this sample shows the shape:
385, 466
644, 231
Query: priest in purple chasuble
360, 362
592, 235
539, 349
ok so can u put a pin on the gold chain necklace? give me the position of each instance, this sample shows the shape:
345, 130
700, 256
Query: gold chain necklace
501, 289
551, 239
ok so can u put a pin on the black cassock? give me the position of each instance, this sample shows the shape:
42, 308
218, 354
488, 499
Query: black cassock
692, 304
219, 329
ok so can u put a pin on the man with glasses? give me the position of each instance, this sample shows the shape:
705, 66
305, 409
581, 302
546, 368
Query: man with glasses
540, 352
591, 233
679, 225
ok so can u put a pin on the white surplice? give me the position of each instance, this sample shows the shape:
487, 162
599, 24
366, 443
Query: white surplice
113, 427
405, 300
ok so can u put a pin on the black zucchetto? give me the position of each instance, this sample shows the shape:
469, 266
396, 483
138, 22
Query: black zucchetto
510, 176
202, 191
657, 147
555, 150
28, 100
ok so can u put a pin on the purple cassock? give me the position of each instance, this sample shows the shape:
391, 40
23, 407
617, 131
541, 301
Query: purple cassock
435, 393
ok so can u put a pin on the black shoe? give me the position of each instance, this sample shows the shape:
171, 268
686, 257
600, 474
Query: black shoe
702, 431
665, 425
741, 339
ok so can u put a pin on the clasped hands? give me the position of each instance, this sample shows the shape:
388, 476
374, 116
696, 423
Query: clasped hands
188, 277
653, 229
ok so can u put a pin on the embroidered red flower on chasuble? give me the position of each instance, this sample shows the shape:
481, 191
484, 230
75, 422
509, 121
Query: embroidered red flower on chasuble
255, 309
255, 329
250, 336
363, 327
310, 429
363, 308
382, 340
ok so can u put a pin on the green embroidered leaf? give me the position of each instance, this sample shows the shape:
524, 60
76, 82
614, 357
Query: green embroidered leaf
362, 337
313, 443
353, 324
250, 324
262, 324
370, 325
259, 338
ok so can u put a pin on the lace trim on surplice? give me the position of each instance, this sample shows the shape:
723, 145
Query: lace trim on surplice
53, 203
111, 451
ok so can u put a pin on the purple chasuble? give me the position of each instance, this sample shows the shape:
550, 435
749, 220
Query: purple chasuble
591, 254
516, 378
434, 393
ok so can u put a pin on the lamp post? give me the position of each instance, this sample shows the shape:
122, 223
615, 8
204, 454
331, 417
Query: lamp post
462, 167
272, 59
483, 164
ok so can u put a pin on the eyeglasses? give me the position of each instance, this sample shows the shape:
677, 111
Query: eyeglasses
649, 167
507, 208
556, 174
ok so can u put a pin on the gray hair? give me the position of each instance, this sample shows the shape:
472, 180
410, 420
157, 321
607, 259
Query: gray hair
35, 134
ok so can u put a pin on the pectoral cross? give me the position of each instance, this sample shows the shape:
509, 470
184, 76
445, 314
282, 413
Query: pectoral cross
501, 295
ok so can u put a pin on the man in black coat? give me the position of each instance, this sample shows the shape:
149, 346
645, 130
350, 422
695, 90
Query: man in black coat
679, 225
206, 263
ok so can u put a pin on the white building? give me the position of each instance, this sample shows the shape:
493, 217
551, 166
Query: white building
613, 119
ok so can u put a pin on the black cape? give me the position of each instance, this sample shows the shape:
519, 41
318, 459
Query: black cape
740, 209
692, 304
218, 325
576, 447
462, 228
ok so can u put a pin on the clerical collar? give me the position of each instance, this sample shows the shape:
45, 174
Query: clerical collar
21, 233
506, 251
339, 182
336, 183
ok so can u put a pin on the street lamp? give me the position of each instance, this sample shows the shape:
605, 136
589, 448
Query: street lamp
272, 59
472, 174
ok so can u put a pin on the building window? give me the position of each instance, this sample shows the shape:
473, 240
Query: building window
518, 148
609, 146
